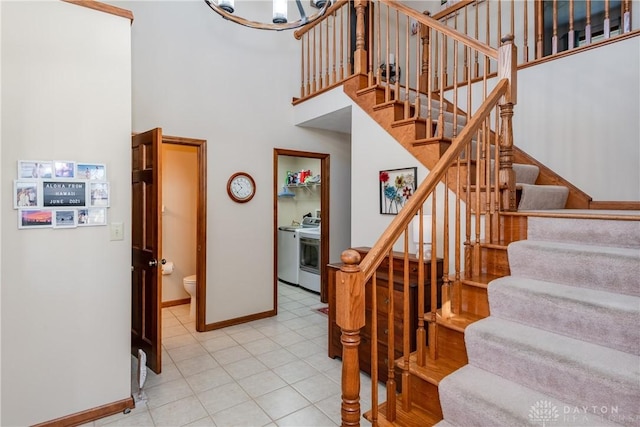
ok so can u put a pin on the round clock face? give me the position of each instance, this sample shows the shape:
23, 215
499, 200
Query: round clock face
241, 187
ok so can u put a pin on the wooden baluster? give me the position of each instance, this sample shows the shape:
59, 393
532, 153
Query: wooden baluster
607, 21
321, 82
572, 33
456, 291
371, 72
391, 350
426, 58
587, 27
397, 58
308, 37
360, 58
350, 316
466, 55
539, 30
342, 74
406, 322
467, 242
441, 66
525, 50
334, 53
418, 102
378, 44
421, 336
476, 64
327, 80
488, 41
407, 104
350, 68
315, 70
478, 193
446, 283
433, 327
626, 16
374, 348
302, 82
438, 67
495, 207
385, 61
554, 37
499, 22
430, 84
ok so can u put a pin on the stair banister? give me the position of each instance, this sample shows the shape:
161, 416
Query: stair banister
351, 279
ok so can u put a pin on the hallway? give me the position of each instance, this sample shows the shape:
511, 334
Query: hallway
270, 372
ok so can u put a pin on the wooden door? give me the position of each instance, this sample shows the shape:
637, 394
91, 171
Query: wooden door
146, 241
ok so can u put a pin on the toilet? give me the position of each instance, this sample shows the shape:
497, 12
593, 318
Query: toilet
189, 283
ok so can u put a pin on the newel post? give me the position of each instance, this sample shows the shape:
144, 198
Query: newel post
507, 69
350, 316
360, 54
426, 56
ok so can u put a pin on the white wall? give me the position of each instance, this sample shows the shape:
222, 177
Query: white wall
579, 116
66, 293
179, 216
197, 75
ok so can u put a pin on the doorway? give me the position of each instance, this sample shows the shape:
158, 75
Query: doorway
147, 254
199, 220
313, 198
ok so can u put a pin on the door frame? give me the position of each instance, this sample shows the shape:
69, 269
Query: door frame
201, 224
324, 209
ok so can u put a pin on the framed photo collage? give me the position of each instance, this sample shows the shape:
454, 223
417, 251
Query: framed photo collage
60, 194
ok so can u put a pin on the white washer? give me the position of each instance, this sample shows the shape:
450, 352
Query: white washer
288, 255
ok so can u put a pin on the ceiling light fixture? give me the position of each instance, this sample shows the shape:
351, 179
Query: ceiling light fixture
226, 9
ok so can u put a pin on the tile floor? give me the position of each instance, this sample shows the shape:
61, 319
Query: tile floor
269, 372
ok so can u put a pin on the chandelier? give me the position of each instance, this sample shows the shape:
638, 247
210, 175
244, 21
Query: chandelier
226, 9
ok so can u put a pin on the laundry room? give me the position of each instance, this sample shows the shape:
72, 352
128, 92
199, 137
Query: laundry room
299, 222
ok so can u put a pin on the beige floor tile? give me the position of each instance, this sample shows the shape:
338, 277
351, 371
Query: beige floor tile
168, 392
231, 355
172, 331
262, 383
307, 417
276, 358
305, 348
223, 397
287, 338
202, 422
219, 343
331, 407
282, 402
245, 367
178, 413
209, 379
261, 346
317, 388
186, 352
196, 365
295, 371
246, 414
246, 336
178, 341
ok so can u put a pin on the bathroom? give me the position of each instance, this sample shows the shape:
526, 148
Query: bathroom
179, 220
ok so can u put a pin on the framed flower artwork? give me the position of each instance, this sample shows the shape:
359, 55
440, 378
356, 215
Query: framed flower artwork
396, 188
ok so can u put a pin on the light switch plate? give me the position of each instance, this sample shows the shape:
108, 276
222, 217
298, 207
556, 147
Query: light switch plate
117, 231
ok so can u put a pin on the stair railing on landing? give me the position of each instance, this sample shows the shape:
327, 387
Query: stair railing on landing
481, 177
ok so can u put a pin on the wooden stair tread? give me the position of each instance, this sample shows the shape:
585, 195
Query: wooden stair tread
457, 322
415, 417
478, 280
433, 371
431, 140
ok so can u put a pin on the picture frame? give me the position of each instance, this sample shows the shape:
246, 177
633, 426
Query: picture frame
63, 169
35, 218
91, 171
65, 218
98, 194
396, 188
95, 216
35, 169
26, 193
64, 194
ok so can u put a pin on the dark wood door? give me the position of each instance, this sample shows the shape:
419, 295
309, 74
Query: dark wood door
146, 241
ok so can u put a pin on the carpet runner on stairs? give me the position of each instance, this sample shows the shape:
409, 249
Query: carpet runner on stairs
562, 344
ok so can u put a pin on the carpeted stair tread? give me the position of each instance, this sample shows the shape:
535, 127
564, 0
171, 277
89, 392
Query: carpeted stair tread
579, 313
587, 231
526, 174
606, 268
542, 196
578, 372
473, 397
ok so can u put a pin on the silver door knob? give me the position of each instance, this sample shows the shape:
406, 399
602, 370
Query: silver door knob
153, 263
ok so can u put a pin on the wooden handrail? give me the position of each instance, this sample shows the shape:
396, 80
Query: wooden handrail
448, 31
384, 244
335, 6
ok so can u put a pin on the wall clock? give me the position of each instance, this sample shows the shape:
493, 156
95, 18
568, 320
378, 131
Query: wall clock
241, 187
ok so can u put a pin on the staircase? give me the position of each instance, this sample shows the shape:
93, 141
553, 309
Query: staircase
562, 343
